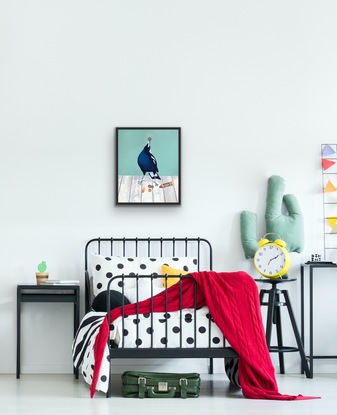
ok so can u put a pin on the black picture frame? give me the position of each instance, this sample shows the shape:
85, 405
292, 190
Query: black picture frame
148, 166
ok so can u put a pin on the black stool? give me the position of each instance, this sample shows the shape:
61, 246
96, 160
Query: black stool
274, 305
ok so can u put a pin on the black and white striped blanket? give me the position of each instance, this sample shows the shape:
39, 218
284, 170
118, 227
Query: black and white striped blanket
83, 350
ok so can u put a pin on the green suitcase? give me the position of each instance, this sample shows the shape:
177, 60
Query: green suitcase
160, 385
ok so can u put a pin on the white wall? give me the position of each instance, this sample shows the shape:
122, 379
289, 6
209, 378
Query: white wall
253, 86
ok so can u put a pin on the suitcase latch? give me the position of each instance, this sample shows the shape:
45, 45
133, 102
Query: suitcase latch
141, 380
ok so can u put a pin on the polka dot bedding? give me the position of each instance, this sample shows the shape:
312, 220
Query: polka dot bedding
184, 329
106, 267
179, 329
174, 329
166, 330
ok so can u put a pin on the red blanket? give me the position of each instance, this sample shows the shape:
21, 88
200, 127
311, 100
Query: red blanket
233, 301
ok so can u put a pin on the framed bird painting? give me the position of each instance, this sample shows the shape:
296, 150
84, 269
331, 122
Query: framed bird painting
148, 165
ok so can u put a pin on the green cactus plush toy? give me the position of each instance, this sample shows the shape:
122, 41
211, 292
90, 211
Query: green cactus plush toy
289, 226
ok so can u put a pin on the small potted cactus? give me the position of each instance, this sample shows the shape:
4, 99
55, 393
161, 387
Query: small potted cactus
42, 275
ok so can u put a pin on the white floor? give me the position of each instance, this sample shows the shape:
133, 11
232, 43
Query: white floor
62, 395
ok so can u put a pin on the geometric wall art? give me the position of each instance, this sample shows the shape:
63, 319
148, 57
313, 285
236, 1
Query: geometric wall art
329, 184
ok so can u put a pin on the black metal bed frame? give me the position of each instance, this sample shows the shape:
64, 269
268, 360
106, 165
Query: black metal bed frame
150, 247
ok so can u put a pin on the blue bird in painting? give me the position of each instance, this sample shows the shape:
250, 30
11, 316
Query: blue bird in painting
148, 163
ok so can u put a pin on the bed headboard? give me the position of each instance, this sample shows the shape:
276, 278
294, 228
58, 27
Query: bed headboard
146, 247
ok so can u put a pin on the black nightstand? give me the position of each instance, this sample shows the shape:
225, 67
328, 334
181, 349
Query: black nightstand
32, 293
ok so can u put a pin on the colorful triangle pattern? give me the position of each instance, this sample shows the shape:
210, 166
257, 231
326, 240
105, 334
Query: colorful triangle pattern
329, 187
327, 151
332, 220
327, 163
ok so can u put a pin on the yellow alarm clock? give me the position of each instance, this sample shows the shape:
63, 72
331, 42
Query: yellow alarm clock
271, 259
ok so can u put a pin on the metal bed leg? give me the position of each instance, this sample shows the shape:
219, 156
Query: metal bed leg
211, 370
108, 393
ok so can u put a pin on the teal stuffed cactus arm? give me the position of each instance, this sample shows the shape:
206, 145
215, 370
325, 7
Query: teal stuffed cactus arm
248, 228
289, 226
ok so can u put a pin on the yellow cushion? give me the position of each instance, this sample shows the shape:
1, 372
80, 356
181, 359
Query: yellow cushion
171, 271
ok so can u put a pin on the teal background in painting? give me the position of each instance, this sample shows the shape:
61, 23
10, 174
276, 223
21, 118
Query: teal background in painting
164, 147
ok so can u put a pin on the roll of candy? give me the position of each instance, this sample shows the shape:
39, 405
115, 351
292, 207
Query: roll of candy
166, 184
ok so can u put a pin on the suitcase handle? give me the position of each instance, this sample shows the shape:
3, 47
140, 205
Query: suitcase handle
167, 393
152, 394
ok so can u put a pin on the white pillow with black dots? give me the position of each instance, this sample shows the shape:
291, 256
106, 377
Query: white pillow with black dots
106, 267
